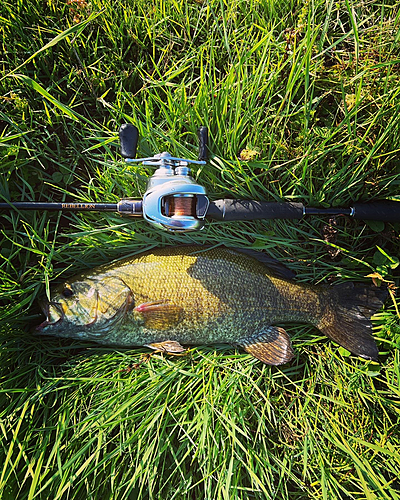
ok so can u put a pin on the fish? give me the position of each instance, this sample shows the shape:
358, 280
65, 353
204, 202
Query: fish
172, 297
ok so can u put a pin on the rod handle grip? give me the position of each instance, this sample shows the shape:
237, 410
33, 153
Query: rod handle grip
230, 210
386, 211
128, 138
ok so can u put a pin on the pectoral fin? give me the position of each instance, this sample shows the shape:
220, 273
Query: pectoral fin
159, 315
272, 346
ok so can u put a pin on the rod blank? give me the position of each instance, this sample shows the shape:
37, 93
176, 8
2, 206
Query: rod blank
68, 207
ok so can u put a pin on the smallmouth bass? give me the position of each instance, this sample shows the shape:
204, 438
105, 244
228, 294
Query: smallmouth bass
195, 295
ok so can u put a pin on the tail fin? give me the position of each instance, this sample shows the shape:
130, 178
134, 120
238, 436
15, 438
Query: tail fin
347, 318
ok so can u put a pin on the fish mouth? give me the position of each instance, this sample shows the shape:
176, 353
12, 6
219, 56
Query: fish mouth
45, 306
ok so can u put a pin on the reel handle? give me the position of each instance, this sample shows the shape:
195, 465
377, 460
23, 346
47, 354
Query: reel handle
128, 137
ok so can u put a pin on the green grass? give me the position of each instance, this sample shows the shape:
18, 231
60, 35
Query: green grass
314, 89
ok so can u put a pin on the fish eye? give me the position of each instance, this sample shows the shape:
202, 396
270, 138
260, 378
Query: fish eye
67, 292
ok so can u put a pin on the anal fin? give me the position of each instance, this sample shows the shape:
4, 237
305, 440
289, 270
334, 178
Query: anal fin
271, 346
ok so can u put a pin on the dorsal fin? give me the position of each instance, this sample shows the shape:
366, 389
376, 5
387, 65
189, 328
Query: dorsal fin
278, 269
274, 266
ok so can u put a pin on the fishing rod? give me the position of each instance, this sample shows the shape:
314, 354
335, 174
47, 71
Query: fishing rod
175, 202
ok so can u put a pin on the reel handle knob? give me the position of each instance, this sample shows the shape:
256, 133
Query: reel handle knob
203, 140
128, 137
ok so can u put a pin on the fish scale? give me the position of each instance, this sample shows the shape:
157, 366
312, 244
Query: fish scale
194, 295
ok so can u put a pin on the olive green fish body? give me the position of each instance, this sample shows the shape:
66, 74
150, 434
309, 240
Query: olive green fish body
219, 298
188, 295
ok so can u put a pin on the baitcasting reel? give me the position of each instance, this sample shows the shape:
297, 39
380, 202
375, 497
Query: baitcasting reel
173, 199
